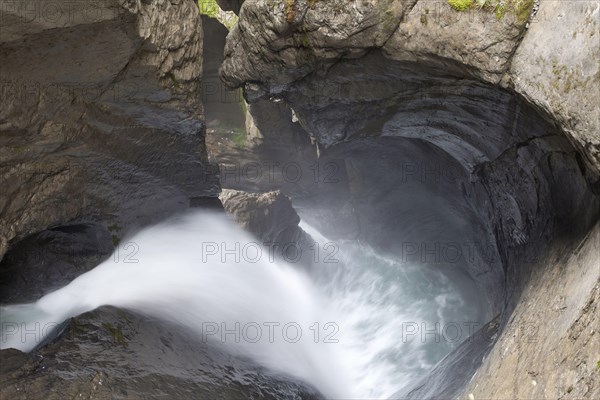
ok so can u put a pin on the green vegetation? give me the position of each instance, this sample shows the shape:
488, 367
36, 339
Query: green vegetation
243, 104
519, 8
114, 229
239, 138
390, 20
211, 9
424, 16
460, 5
173, 80
115, 240
598, 364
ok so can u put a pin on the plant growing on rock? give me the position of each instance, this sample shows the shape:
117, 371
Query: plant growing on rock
114, 229
290, 11
460, 5
239, 138
211, 9
520, 8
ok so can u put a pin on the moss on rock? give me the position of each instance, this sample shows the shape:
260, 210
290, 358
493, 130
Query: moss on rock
460, 5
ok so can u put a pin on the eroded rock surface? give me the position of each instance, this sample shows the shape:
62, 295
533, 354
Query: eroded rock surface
101, 118
101, 132
277, 43
551, 344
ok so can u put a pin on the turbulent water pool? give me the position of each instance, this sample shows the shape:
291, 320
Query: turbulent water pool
358, 324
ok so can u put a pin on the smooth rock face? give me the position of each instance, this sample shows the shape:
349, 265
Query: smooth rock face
551, 347
556, 68
49, 260
20, 20
101, 118
476, 41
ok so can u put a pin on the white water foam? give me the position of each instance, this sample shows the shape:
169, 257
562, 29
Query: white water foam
363, 305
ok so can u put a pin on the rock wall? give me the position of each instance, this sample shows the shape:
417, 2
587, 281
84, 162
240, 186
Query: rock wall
101, 118
110, 353
276, 43
550, 346
556, 68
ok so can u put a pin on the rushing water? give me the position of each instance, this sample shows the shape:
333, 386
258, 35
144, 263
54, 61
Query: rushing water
357, 325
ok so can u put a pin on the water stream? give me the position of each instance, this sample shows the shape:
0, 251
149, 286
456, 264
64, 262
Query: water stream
357, 325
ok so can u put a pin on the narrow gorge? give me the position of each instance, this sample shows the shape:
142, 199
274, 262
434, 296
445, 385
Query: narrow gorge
284, 199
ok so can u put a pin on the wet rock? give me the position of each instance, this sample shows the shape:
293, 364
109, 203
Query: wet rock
554, 346
115, 354
278, 43
252, 143
51, 259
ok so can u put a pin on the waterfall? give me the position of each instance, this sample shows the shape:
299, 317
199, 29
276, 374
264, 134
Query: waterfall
358, 325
